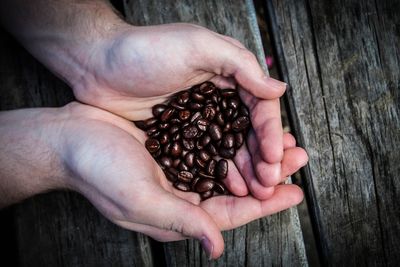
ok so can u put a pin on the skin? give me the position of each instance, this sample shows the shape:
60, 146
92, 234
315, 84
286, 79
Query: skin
124, 70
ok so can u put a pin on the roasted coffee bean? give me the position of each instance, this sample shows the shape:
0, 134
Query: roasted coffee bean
215, 132
176, 149
152, 145
166, 149
163, 138
185, 124
224, 104
185, 176
153, 131
221, 170
244, 111
220, 119
140, 124
202, 174
173, 129
239, 140
189, 159
215, 99
227, 127
182, 186
227, 153
176, 163
205, 140
209, 113
198, 97
166, 161
206, 88
235, 114
150, 122
182, 166
184, 114
201, 163
233, 103
210, 168
228, 113
176, 136
228, 140
156, 154
219, 188
241, 123
175, 121
177, 106
158, 110
204, 185
194, 182
163, 125
167, 114
212, 149
199, 145
204, 156
195, 105
170, 175
202, 124
190, 132
206, 195
228, 92
188, 144
195, 117
183, 98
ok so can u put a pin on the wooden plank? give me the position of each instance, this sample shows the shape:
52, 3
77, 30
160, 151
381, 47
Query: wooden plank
341, 59
59, 229
272, 241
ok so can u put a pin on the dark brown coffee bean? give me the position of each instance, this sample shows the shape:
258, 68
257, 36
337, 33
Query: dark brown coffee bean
195, 170
182, 186
189, 159
204, 185
163, 138
224, 104
227, 153
210, 168
183, 98
166, 149
176, 136
228, 140
215, 132
185, 176
202, 124
150, 122
173, 129
198, 97
221, 170
244, 111
235, 114
204, 156
195, 106
201, 163
228, 113
163, 125
141, 125
199, 145
176, 163
220, 188
220, 119
227, 127
195, 116
190, 132
209, 113
239, 140
206, 195
156, 154
153, 131
171, 175
167, 114
177, 106
182, 166
233, 103
228, 92
212, 149
152, 145
158, 110
202, 174
166, 161
175, 121
176, 149
241, 123
184, 114
194, 182
215, 99
188, 144
205, 140
206, 88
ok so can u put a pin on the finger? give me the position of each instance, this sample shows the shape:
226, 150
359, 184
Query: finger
231, 40
293, 159
230, 212
235, 182
288, 141
268, 174
244, 164
223, 82
266, 121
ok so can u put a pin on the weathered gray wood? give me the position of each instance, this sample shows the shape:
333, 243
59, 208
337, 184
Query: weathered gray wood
276, 240
341, 59
59, 229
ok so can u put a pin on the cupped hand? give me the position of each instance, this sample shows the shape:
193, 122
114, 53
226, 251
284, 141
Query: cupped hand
136, 67
108, 163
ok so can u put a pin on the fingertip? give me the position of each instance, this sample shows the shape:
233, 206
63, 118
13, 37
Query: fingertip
268, 174
275, 87
288, 141
293, 194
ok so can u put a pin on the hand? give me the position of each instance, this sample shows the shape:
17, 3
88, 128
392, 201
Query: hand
110, 166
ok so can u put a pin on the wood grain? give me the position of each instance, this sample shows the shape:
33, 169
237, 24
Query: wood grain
272, 241
341, 59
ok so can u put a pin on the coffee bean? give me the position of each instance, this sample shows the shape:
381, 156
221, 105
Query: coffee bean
176, 149
140, 124
239, 140
195, 105
163, 138
228, 92
228, 140
189, 159
244, 111
156, 154
206, 195
212, 149
199, 145
209, 113
163, 125
202, 174
194, 182
227, 153
206, 88
220, 119
176, 136
221, 170
166, 149
224, 104
183, 98
215, 132
185, 176
241, 123
158, 110
182, 186
173, 129
175, 121
198, 97
190, 132
166, 161
177, 106
182, 166
152, 145
188, 144
170, 175
233, 103
176, 163
202, 124
167, 114
204, 185
228, 113
227, 127
201, 163
184, 114
204, 156
153, 131
195, 116
210, 168
205, 140
220, 188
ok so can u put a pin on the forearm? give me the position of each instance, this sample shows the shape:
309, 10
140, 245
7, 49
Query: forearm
29, 162
62, 34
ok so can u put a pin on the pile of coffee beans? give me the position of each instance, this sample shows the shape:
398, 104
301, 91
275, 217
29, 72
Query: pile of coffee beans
193, 134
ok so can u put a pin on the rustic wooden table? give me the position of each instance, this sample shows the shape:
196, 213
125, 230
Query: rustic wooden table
341, 60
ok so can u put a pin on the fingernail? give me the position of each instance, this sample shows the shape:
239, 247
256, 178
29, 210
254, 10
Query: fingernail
275, 84
207, 246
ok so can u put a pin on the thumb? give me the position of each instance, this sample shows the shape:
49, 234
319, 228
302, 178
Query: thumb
175, 214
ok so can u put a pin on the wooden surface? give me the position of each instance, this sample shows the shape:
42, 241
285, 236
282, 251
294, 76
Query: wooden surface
342, 61
63, 229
